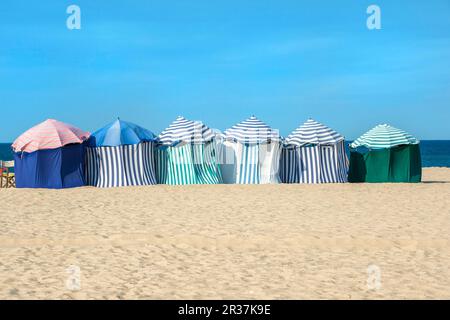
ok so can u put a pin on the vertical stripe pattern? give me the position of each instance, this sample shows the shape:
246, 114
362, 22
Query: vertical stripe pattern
248, 165
206, 167
125, 165
314, 164
289, 165
188, 164
257, 163
314, 153
257, 149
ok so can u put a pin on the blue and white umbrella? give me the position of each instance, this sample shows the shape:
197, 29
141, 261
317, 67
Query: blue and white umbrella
183, 130
118, 133
120, 154
252, 131
313, 132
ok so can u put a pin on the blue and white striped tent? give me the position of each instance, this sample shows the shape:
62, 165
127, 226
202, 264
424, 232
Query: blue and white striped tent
186, 154
120, 154
314, 153
255, 149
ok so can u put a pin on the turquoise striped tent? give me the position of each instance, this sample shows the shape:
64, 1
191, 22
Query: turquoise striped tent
384, 136
186, 154
385, 154
255, 153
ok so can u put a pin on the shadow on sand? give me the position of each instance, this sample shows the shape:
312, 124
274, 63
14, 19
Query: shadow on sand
435, 181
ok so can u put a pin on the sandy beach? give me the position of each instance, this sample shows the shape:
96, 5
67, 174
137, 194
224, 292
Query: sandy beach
228, 241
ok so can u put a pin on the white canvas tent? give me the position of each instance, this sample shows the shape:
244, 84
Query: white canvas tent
250, 153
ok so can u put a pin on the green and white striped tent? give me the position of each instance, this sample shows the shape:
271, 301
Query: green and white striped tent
255, 148
384, 136
186, 154
385, 154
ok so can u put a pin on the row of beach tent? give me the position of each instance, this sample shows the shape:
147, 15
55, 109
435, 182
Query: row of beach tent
57, 155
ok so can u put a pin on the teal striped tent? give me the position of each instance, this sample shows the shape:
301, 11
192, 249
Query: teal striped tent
255, 153
186, 154
384, 136
385, 154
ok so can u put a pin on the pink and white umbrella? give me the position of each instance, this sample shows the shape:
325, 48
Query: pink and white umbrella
50, 134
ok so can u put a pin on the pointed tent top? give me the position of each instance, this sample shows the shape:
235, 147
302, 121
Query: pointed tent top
119, 133
50, 134
183, 130
384, 136
313, 132
251, 131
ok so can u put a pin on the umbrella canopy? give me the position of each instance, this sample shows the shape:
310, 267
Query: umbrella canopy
384, 136
251, 131
187, 131
50, 134
313, 132
120, 133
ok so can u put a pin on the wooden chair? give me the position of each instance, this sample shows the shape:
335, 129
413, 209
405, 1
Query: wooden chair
7, 179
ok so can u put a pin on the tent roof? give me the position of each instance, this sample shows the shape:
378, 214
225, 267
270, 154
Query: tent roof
315, 133
384, 136
50, 134
252, 131
118, 133
187, 131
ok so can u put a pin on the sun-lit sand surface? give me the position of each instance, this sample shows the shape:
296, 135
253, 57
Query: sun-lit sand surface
228, 241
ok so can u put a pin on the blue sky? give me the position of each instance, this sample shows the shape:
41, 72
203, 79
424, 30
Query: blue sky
222, 61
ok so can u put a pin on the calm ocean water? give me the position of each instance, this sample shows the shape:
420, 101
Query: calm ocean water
435, 153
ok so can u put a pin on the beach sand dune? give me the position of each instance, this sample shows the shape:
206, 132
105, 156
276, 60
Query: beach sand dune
343, 241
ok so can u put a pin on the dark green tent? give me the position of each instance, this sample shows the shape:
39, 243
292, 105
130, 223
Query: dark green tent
389, 155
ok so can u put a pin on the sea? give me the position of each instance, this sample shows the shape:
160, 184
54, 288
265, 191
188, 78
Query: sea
435, 153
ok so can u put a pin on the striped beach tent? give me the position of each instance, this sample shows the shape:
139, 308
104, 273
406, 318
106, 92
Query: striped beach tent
255, 152
120, 154
50, 155
384, 136
186, 154
385, 154
314, 153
